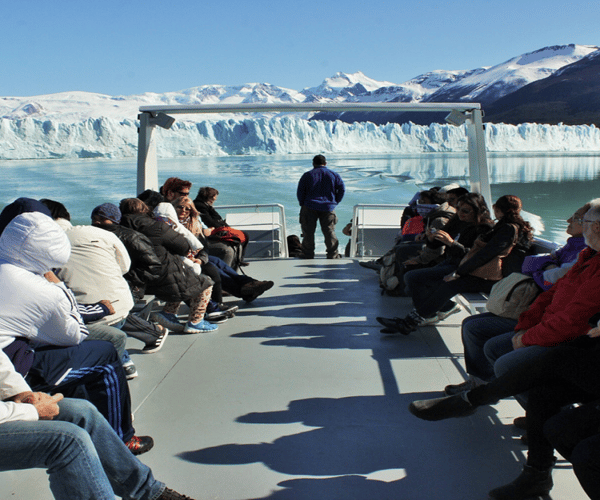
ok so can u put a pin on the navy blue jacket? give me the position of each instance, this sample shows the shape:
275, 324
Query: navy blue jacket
320, 189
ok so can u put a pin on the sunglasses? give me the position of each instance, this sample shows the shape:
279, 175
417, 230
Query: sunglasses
183, 208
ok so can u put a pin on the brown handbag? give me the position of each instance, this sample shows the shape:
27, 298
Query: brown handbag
491, 270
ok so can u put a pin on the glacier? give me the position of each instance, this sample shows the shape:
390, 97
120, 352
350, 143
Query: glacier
104, 137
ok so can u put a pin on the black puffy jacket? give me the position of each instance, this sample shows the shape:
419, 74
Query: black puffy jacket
176, 281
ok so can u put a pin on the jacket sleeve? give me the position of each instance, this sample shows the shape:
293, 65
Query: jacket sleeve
502, 240
340, 190
568, 323
64, 325
173, 241
11, 384
301, 191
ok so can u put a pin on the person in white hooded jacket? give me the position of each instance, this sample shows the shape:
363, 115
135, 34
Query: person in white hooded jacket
41, 315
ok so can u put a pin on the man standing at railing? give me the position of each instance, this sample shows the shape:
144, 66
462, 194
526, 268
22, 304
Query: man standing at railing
319, 192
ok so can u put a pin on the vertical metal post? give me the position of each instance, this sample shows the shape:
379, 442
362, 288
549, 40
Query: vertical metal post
147, 168
478, 170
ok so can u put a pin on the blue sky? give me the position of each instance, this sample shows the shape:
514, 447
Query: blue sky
128, 47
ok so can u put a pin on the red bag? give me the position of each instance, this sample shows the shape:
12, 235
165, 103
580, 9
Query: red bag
228, 235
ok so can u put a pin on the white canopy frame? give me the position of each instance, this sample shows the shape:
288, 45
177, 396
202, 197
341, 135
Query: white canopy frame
470, 113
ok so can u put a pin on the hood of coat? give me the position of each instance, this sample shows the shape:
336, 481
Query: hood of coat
34, 242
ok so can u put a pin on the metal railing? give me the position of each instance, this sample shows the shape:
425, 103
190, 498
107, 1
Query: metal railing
266, 226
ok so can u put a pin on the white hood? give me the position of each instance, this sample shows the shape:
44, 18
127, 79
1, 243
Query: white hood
34, 242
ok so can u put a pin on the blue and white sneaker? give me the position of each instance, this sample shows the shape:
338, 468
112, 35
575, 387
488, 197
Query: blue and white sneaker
168, 320
200, 327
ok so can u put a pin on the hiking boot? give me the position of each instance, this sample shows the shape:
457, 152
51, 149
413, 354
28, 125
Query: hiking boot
140, 444
453, 389
442, 408
255, 289
157, 343
530, 483
202, 326
520, 423
168, 320
169, 494
371, 264
395, 326
130, 370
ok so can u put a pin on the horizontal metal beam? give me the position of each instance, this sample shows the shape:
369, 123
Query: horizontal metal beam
313, 106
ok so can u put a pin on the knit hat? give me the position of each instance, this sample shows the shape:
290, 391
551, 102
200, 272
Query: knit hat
108, 211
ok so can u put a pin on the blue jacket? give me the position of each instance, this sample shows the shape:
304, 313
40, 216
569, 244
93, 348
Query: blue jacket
320, 189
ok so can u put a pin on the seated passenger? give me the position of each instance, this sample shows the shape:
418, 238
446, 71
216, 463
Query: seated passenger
94, 273
494, 255
556, 316
177, 282
42, 331
204, 202
82, 454
548, 269
478, 329
238, 285
567, 374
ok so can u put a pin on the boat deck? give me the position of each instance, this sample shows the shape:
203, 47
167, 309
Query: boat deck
300, 397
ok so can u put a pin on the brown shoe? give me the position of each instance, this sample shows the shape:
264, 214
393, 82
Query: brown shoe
169, 494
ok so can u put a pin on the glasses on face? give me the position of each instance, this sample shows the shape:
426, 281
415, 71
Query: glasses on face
184, 193
589, 221
577, 219
183, 208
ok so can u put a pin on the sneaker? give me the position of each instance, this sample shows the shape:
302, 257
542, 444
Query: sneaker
169, 494
467, 385
140, 444
217, 318
255, 289
442, 408
216, 310
200, 327
168, 320
157, 343
442, 315
130, 370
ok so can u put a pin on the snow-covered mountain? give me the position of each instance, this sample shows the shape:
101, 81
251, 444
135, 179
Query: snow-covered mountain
83, 124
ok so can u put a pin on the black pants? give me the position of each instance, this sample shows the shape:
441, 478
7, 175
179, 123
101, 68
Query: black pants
575, 434
565, 375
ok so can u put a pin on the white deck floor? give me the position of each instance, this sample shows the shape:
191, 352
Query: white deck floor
299, 397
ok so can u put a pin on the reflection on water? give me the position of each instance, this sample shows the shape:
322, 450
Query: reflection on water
551, 186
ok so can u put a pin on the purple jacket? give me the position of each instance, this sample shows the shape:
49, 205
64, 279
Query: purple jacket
563, 258
320, 189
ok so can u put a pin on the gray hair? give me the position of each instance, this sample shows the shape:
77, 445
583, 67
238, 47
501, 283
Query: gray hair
593, 212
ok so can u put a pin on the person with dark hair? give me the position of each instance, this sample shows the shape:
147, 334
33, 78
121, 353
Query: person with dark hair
177, 282
175, 187
454, 194
21, 206
57, 209
220, 234
494, 255
319, 191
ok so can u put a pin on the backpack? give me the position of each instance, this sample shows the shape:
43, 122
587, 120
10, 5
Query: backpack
512, 295
388, 274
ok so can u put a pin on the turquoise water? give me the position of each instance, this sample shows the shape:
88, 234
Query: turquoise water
551, 186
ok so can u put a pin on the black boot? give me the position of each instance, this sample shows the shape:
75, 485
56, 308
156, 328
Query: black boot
530, 483
441, 408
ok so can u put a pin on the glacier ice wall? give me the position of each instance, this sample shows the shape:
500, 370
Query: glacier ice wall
30, 138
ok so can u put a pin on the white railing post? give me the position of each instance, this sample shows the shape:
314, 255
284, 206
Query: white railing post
478, 169
147, 167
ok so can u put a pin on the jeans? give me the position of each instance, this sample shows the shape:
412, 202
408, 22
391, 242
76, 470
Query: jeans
84, 457
476, 330
503, 357
575, 434
111, 334
420, 283
231, 281
308, 223
435, 295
